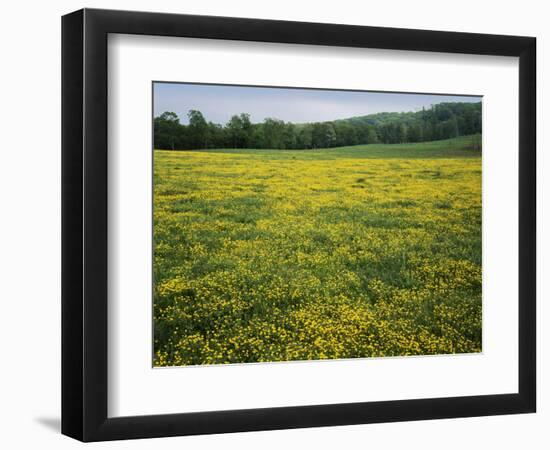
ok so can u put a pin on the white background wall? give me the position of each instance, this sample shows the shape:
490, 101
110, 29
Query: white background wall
30, 221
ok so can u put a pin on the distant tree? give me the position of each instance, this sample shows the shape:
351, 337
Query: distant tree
304, 136
166, 130
198, 129
323, 135
346, 133
217, 135
441, 121
401, 133
169, 116
239, 130
273, 130
289, 136
414, 133
233, 129
371, 135
257, 136
454, 122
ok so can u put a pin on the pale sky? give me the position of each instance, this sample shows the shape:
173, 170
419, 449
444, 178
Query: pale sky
219, 102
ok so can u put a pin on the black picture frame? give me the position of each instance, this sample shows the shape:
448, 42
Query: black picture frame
84, 224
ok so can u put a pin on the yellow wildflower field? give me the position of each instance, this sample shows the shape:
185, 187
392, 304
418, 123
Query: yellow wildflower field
276, 255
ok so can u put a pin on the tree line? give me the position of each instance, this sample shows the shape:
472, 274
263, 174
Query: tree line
440, 121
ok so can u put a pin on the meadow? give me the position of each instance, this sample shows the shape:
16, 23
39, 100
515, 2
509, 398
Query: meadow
279, 255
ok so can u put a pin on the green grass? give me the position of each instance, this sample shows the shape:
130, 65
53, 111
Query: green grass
271, 255
461, 147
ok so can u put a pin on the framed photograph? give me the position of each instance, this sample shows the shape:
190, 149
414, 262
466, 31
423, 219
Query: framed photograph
273, 225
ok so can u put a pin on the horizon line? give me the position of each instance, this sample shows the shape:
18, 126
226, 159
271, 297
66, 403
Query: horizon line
323, 121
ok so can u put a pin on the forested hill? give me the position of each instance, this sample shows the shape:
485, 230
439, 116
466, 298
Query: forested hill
441, 121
